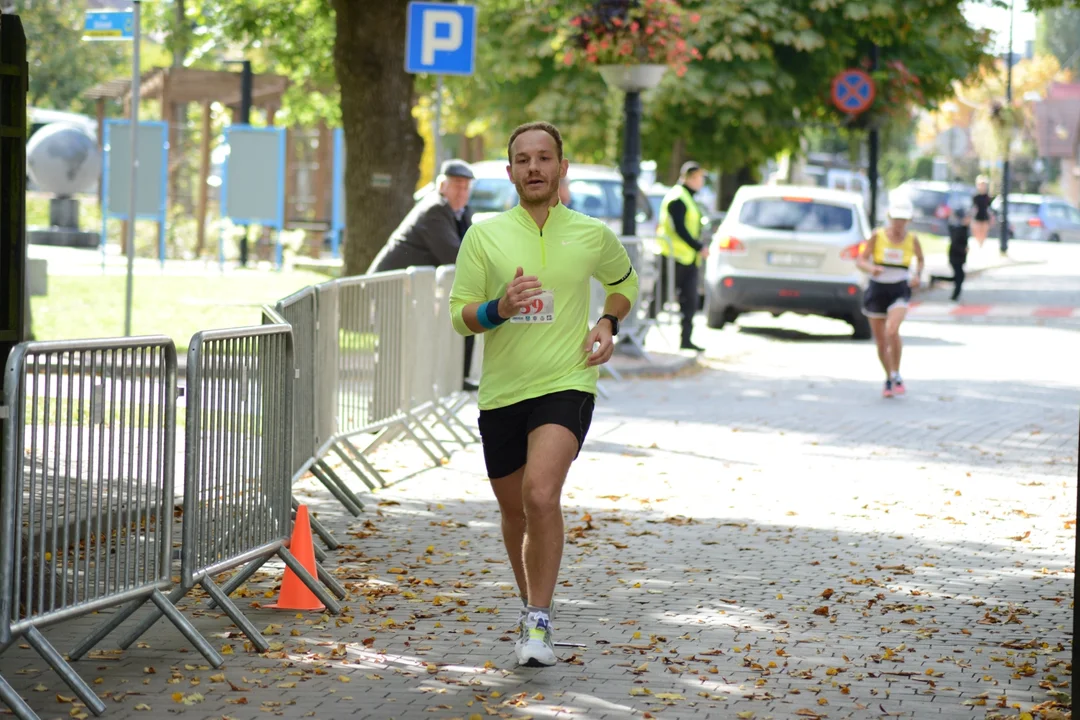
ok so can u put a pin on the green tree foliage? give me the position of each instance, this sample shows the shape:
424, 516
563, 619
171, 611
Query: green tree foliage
1059, 35
62, 65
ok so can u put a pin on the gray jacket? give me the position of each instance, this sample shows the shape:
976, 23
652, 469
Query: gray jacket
429, 235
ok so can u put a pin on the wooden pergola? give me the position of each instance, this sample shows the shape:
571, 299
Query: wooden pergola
177, 86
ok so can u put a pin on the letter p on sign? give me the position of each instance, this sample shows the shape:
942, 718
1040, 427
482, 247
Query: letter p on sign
440, 38
432, 42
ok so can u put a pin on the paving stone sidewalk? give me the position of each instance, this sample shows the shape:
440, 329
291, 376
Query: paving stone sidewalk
744, 541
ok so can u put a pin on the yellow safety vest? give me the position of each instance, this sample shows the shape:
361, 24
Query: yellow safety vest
890, 254
669, 240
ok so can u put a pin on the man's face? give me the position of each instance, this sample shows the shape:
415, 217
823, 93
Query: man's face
899, 225
695, 180
535, 168
456, 191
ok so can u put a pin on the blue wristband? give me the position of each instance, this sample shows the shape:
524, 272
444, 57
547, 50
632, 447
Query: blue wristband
488, 315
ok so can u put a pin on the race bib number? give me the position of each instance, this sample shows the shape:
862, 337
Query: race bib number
541, 309
894, 256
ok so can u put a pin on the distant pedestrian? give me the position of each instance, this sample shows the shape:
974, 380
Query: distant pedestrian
431, 233
679, 231
887, 258
983, 215
959, 232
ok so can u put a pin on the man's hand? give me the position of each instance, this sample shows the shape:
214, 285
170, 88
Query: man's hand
876, 270
601, 333
519, 292
704, 252
914, 282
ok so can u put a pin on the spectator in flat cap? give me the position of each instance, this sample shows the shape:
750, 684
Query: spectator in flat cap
432, 231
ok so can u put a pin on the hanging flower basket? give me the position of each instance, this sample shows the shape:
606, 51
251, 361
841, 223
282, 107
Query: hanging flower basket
633, 34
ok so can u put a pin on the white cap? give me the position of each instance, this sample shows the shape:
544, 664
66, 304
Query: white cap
900, 208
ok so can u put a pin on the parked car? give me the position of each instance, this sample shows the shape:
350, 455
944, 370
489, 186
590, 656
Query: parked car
934, 203
594, 190
1040, 217
789, 249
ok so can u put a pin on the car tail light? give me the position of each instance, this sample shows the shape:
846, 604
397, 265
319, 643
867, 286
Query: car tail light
1035, 222
852, 290
729, 282
942, 213
731, 245
852, 252
797, 199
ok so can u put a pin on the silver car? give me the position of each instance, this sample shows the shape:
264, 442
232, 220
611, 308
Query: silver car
789, 249
1040, 217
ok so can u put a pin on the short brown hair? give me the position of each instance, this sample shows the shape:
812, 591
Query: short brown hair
536, 125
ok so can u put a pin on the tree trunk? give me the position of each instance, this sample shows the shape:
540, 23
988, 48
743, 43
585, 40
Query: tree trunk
678, 157
382, 145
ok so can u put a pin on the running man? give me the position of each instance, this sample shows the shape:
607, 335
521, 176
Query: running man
887, 259
523, 278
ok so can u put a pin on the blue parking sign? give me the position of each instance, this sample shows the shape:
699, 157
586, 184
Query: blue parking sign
440, 39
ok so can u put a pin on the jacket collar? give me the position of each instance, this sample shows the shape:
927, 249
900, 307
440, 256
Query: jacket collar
556, 214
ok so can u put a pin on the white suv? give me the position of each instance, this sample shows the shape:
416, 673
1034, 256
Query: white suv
788, 249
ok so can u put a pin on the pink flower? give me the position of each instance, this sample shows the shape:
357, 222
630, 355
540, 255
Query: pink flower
634, 27
695, 18
568, 59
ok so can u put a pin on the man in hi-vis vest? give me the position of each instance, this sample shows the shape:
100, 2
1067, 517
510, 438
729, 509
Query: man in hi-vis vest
679, 234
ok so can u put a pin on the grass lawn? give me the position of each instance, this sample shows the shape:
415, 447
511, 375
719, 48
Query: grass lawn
933, 244
177, 306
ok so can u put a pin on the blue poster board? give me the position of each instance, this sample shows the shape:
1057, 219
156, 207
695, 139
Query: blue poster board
253, 179
150, 181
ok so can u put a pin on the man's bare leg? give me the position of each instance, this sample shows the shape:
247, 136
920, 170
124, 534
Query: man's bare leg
552, 449
508, 492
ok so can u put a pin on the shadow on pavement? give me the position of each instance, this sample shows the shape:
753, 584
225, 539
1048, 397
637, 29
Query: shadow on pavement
788, 335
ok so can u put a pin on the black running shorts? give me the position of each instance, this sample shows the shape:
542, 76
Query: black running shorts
505, 431
880, 298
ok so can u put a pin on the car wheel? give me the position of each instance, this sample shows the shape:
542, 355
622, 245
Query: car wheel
715, 316
1055, 238
860, 326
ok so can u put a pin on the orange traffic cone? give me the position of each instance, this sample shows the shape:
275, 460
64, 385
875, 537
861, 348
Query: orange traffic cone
295, 595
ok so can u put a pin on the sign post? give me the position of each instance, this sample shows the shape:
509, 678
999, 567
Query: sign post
124, 25
853, 93
440, 39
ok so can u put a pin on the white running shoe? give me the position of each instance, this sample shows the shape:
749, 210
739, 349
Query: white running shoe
535, 648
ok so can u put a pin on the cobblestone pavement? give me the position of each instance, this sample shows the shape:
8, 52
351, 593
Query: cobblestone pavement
760, 538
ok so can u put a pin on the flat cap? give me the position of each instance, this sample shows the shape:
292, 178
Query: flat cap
457, 168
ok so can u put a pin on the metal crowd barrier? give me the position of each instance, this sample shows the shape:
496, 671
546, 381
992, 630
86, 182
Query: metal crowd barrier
237, 472
450, 395
86, 490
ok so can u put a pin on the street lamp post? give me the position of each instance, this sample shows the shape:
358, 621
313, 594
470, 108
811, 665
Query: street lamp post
1004, 242
245, 119
632, 80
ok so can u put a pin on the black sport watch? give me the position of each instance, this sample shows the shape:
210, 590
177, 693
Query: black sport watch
614, 323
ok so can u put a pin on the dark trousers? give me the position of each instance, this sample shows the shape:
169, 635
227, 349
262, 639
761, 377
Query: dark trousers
686, 287
957, 262
470, 340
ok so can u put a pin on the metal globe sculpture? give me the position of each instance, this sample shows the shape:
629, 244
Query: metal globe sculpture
62, 159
